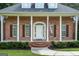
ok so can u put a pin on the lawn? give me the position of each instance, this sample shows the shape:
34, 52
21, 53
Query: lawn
17, 53
68, 49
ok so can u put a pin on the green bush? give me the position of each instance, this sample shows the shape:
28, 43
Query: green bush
74, 44
14, 45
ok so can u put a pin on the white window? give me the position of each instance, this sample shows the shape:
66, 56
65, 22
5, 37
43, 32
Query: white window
52, 30
14, 30
63, 30
26, 5
39, 5
27, 29
52, 5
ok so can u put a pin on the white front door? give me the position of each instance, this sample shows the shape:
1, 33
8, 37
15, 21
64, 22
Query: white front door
39, 32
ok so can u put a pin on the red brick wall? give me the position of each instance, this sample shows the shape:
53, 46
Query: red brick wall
55, 21
68, 21
24, 20
10, 20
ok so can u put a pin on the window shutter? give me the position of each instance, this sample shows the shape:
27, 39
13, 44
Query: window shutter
23, 29
10, 30
54, 30
67, 30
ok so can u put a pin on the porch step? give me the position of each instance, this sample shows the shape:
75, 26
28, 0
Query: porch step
39, 44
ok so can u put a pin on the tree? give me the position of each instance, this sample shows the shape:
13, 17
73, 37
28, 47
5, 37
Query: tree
4, 5
73, 5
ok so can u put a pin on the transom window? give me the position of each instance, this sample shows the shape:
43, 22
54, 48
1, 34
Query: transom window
14, 30
27, 29
63, 30
39, 5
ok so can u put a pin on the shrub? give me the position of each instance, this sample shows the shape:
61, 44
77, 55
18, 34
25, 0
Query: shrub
14, 45
74, 44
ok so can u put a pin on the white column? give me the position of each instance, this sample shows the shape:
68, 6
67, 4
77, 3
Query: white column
17, 28
76, 27
2, 18
60, 28
31, 28
47, 28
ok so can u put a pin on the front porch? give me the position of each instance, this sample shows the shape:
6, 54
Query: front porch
50, 28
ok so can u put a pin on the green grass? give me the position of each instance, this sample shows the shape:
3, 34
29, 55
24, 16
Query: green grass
68, 49
18, 53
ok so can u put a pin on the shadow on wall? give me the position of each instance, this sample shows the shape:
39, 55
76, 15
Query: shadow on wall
0, 30
78, 31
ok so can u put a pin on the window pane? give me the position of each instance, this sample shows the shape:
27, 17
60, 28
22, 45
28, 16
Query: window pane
39, 5
26, 5
52, 5
52, 30
63, 27
14, 30
63, 33
27, 29
63, 30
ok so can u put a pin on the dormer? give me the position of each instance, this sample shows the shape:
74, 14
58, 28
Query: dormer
26, 5
39, 5
52, 5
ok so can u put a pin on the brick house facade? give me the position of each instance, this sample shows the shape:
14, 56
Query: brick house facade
38, 24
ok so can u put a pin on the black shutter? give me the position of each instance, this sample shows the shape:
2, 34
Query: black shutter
23, 30
67, 30
54, 30
10, 30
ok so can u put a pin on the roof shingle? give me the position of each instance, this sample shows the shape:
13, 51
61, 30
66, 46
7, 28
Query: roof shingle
17, 8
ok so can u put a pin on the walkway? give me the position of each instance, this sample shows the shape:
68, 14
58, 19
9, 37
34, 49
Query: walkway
46, 51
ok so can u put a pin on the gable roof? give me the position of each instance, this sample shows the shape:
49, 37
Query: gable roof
17, 8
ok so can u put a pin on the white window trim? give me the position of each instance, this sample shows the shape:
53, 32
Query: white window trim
34, 29
64, 30
39, 5
51, 30
52, 5
26, 5
13, 30
25, 30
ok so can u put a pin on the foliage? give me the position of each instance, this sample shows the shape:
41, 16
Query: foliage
4, 5
73, 5
14, 45
74, 44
